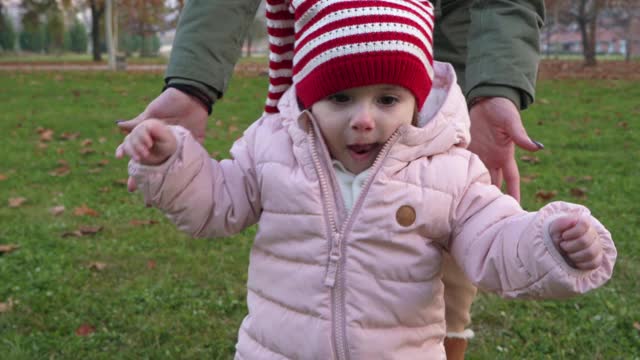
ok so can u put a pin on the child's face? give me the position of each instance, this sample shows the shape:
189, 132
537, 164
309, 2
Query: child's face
356, 123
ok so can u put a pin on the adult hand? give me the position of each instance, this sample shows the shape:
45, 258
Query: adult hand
175, 108
496, 127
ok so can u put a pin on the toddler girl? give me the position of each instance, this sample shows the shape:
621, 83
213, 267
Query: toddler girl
359, 184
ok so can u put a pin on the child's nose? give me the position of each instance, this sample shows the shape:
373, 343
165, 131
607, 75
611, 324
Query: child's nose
362, 119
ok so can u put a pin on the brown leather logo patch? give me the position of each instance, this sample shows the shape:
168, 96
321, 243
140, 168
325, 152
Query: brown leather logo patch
406, 215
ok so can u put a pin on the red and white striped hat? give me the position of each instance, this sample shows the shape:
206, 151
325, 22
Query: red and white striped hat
326, 46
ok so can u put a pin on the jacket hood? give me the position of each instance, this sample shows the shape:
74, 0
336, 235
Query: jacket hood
443, 120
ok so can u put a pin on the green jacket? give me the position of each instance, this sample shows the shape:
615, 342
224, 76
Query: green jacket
492, 44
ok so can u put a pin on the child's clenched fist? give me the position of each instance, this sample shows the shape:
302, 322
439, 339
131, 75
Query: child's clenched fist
149, 143
578, 241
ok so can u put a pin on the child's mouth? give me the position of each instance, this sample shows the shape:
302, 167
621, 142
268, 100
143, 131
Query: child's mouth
362, 151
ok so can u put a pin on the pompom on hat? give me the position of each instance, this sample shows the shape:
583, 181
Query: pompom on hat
326, 46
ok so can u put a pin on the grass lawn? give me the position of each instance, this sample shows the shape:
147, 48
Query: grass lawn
137, 289
30, 58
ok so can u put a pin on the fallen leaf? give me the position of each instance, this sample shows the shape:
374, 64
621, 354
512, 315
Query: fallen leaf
623, 124
543, 101
8, 248
530, 159
580, 192
60, 171
570, 179
528, 178
143, 222
6, 306
86, 150
97, 266
122, 182
151, 264
16, 202
215, 154
104, 189
86, 142
85, 330
56, 210
84, 210
545, 195
103, 162
102, 140
3, 177
82, 231
59, 151
69, 136
46, 134
42, 146
94, 170
587, 178
636, 325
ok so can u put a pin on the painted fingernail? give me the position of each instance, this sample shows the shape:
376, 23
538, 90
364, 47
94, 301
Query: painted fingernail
538, 144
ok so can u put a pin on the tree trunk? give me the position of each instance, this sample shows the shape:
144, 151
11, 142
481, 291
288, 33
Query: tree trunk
96, 13
108, 21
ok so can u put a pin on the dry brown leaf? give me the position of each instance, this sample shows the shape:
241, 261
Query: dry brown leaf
545, 195
86, 142
84, 210
215, 154
570, 179
103, 162
530, 159
579, 192
60, 171
122, 182
59, 151
56, 210
85, 330
143, 222
104, 189
587, 178
42, 146
3, 177
528, 178
6, 306
97, 266
623, 124
82, 231
151, 264
86, 150
219, 123
45, 134
69, 136
636, 325
102, 139
16, 201
8, 248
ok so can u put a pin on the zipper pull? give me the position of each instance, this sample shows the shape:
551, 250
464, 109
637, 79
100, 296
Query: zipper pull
334, 258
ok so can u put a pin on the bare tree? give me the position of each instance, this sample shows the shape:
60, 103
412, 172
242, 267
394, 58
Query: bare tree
623, 14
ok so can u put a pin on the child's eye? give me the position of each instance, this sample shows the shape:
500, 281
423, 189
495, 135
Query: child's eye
339, 98
387, 100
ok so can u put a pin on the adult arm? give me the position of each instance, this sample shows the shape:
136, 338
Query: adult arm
493, 45
207, 45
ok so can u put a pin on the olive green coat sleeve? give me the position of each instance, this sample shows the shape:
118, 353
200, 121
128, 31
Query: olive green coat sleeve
208, 42
492, 44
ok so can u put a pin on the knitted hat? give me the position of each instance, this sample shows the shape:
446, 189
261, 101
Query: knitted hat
326, 46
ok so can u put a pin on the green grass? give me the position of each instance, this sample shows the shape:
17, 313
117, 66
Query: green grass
191, 303
31, 58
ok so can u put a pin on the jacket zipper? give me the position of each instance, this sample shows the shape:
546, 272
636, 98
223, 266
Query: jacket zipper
336, 248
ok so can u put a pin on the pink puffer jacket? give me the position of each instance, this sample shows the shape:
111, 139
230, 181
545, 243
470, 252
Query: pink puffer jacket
327, 284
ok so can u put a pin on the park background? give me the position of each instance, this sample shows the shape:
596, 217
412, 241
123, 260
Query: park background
86, 271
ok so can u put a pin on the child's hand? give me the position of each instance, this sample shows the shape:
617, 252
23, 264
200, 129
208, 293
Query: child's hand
149, 143
578, 241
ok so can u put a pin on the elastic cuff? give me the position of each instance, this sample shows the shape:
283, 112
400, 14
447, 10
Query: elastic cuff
519, 98
467, 334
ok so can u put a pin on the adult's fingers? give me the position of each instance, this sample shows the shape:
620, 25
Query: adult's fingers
131, 184
128, 125
519, 135
511, 176
496, 176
